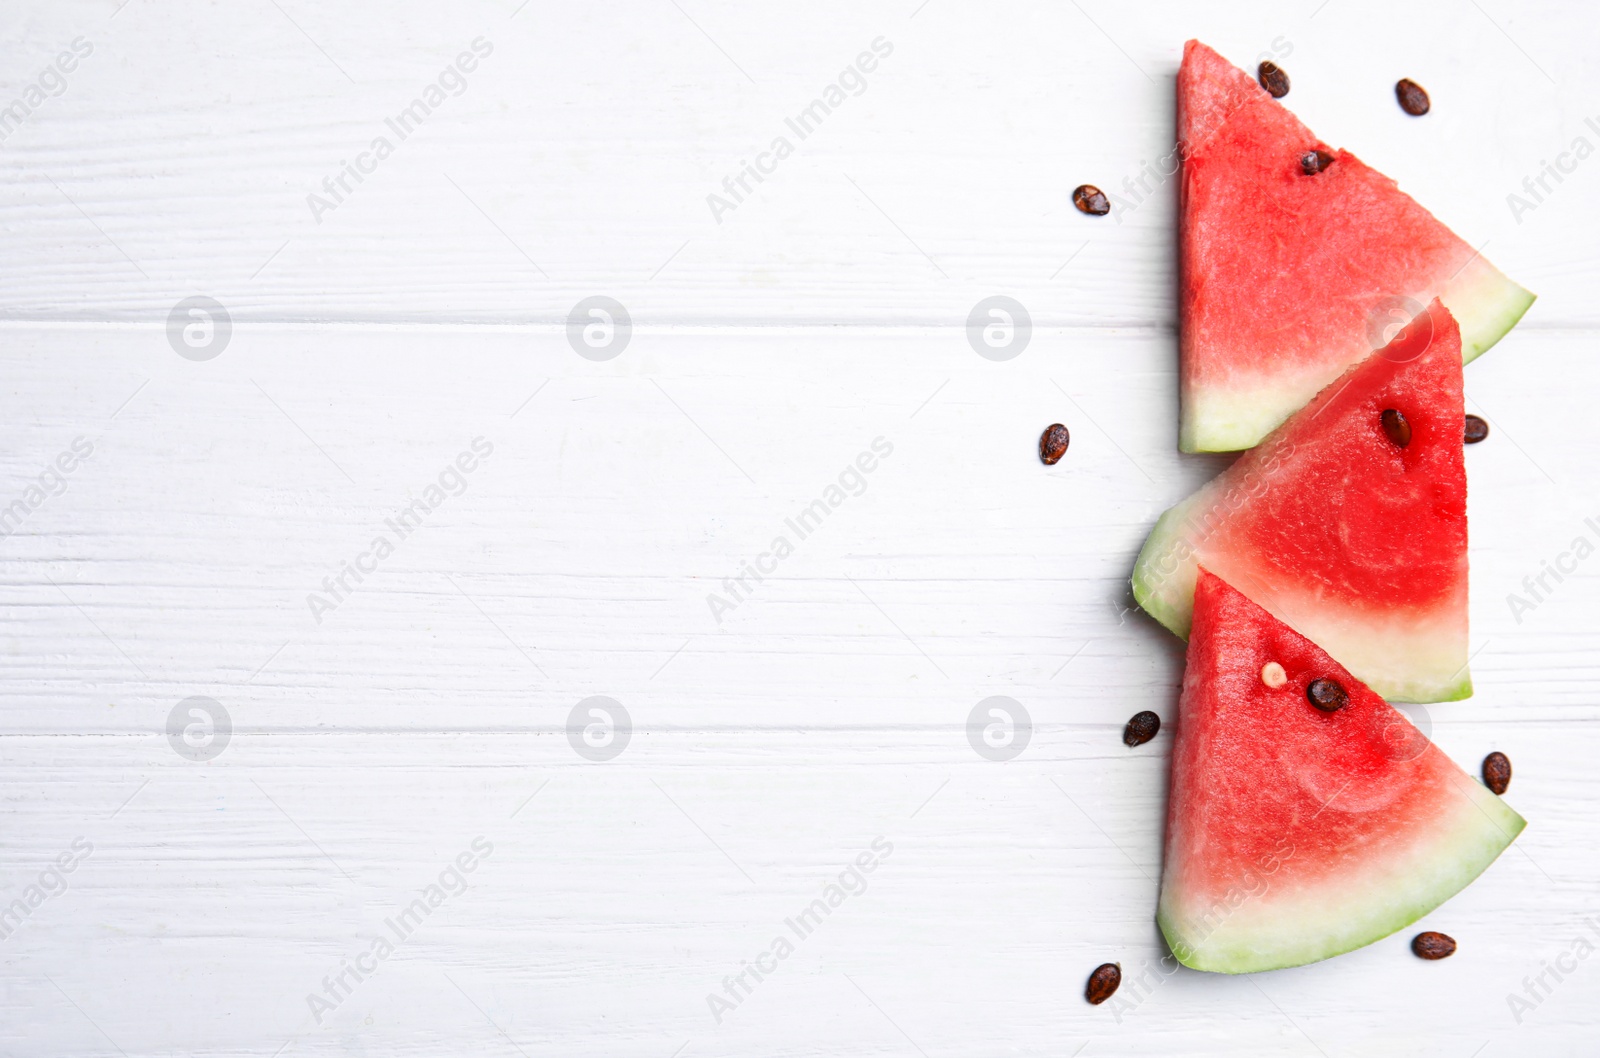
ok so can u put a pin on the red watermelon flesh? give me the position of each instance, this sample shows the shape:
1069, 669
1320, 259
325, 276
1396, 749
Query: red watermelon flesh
1347, 537
1295, 834
1288, 279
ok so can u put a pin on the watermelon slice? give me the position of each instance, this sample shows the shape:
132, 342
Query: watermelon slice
1288, 279
1339, 532
1295, 834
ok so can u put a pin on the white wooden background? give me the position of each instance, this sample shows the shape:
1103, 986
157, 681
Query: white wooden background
828, 709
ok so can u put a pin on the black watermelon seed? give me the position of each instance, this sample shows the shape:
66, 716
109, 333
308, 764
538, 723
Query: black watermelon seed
1431, 946
1103, 983
1327, 695
1053, 444
1273, 79
1091, 200
1396, 426
1413, 99
1141, 729
1314, 162
1497, 772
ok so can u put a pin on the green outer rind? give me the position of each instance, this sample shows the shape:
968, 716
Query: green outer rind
1486, 305
1168, 596
1484, 301
1273, 935
1460, 691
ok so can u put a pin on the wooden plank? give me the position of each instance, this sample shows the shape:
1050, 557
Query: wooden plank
623, 893
443, 697
578, 157
593, 551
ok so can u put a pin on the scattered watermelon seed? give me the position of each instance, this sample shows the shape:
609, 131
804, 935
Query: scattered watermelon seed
1314, 162
1090, 199
1103, 983
1476, 431
1273, 676
1053, 444
1327, 695
1413, 99
1431, 945
1273, 79
1396, 426
1497, 772
1141, 729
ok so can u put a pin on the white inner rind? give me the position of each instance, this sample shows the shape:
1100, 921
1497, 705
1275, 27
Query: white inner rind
1237, 414
1412, 656
1268, 921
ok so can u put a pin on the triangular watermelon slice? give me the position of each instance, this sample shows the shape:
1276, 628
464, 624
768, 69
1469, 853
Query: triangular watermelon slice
1295, 834
1286, 278
1340, 532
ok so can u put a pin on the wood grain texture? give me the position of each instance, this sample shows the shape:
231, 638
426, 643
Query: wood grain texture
579, 155
430, 703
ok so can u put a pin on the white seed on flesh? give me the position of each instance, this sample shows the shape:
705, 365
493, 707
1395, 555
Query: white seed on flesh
1273, 676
